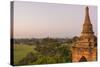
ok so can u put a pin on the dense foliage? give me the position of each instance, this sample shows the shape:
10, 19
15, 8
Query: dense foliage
47, 51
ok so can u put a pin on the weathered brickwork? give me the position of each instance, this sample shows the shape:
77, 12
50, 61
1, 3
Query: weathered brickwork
85, 48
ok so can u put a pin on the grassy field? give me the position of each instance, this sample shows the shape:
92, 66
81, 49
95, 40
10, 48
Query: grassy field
20, 51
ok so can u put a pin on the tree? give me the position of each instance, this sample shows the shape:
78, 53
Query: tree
30, 58
75, 38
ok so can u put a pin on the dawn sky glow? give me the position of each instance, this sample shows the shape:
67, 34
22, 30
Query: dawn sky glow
41, 20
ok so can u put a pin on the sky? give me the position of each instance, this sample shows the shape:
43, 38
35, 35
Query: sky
40, 20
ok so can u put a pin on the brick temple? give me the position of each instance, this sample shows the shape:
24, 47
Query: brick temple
85, 48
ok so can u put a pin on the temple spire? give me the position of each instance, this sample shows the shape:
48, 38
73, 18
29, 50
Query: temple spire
87, 26
87, 18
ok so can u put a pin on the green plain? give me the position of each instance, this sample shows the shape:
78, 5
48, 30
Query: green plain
20, 51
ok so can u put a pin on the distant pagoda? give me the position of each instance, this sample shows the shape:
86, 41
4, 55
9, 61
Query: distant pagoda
85, 48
